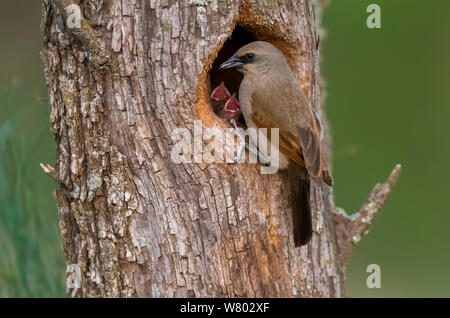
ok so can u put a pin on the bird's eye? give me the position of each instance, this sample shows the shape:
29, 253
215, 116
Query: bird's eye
250, 56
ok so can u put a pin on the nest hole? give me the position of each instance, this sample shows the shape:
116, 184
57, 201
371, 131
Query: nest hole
231, 77
211, 77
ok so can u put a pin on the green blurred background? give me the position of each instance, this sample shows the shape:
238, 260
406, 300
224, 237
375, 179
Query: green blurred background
31, 257
387, 103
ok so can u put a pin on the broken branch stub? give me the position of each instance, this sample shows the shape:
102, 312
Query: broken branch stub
350, 229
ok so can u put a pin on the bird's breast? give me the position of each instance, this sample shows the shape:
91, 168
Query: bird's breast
245, 92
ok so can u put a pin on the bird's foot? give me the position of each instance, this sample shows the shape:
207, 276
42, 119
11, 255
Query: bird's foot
241, 140
251, 148
259, 154
264, 159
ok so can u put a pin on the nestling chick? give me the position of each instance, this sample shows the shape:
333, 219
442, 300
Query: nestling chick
231, 110
226, 106
219, 96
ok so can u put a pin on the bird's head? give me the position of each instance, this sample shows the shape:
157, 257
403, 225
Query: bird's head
257, 59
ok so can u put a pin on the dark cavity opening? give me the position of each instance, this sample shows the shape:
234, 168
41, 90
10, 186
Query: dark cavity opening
231, 77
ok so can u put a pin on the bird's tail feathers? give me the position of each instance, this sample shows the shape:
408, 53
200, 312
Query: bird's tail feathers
302, 219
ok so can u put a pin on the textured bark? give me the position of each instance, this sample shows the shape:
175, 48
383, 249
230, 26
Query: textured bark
133, 222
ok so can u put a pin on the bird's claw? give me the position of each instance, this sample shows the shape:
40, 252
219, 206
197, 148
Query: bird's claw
242, 145
259, 154
241, 139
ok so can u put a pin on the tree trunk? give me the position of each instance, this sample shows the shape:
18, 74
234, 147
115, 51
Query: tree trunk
134, 222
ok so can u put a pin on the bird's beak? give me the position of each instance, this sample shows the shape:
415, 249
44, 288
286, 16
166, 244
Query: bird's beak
233, 61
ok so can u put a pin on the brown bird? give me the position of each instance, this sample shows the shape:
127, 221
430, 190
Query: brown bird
271, 97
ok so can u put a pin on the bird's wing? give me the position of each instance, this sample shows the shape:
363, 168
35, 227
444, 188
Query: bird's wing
312, 151
300, 144
288, 139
